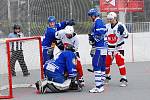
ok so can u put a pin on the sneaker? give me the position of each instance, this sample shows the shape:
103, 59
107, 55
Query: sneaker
81, 81
108, 78
26, 74
97, 90
123, 82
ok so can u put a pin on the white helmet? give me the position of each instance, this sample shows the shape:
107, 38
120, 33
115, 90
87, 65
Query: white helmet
69, 29
112, 15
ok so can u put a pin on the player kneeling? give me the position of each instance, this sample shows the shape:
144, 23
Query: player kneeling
61, 74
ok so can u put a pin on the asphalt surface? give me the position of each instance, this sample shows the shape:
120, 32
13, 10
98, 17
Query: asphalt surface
138, 88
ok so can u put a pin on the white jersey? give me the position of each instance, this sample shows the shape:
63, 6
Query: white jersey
114, 38
62, 37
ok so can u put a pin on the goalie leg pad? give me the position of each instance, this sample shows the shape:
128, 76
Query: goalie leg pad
52, 88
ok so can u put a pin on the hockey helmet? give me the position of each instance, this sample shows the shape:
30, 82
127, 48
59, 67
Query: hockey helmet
51, 19
93, 12
69, 30
111, 15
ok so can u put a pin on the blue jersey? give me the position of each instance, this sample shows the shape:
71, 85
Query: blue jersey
98, 32
50, 34
64, 63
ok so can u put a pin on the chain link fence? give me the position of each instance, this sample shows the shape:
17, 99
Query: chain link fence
32, 15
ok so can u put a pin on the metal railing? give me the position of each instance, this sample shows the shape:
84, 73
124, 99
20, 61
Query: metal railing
138, 27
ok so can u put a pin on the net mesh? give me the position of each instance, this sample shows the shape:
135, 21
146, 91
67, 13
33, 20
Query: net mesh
4, 79
24, 62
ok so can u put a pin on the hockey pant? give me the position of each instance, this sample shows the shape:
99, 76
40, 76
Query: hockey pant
98, 62
18, 55
48, 54
54, 76
119, 56
79, 66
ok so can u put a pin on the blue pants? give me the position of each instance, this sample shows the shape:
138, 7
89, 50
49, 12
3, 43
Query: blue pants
98, 61
54, 76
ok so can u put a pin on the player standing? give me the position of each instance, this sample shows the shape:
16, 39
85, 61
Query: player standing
49, 37
68, 36
116, 34
96, 39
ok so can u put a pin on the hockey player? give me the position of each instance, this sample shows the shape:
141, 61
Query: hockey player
61, 74
116, 34
68, 36
49, 37
96, 39
17, 52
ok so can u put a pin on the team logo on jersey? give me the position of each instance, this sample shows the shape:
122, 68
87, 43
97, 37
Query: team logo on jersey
112, 38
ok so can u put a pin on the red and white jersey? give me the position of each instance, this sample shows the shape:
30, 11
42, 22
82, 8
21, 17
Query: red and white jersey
114, 38
62, 37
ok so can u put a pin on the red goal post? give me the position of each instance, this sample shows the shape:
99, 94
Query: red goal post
31, 43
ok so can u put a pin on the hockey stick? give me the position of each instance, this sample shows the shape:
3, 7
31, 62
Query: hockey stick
90, 70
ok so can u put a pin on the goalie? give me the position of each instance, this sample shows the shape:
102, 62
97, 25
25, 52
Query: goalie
61, 74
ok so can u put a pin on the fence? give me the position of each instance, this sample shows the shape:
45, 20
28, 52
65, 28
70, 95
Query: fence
138, 27
32, 15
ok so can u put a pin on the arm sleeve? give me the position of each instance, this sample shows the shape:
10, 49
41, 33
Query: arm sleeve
61, 25
76, 43
58, 34
9, 36
100, 27
126, 33
100, 30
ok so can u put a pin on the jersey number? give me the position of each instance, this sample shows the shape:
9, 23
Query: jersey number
112, 38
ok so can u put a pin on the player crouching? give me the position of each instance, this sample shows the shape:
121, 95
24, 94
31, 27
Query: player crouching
61, 74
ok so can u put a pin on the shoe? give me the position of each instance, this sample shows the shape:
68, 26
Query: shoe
108, 78
123, 82
97, 90
13, 74
26, 74
81, 81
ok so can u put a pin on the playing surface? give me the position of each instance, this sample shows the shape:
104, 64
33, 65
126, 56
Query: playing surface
138, 88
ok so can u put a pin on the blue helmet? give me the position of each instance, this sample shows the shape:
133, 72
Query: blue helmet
51, 19
93, 12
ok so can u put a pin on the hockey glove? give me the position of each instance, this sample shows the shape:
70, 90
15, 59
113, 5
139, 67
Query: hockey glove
92, 52
120, 29
70, 22
69, 47
91, 40
50, 52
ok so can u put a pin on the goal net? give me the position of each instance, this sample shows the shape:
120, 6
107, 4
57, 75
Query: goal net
20, 64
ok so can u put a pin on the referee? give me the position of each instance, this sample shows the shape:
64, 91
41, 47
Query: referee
17, 52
